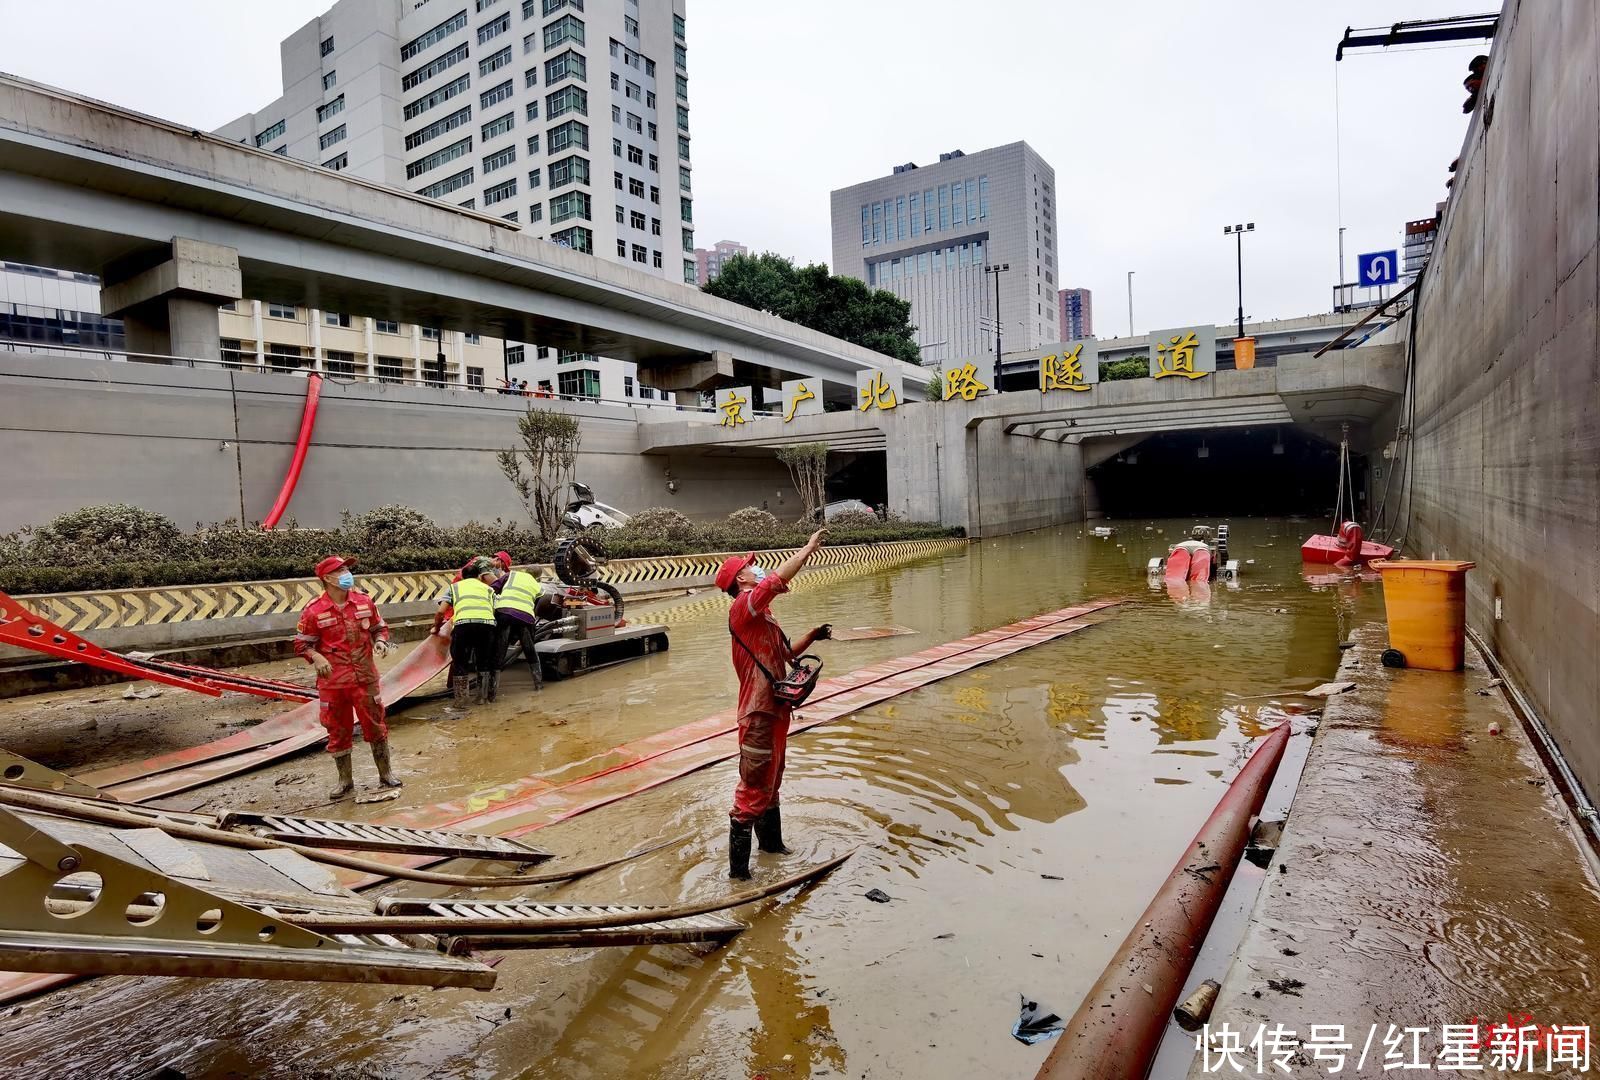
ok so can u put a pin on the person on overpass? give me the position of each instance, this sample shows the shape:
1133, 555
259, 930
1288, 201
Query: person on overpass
761, 656
470, 603
338, 634
518, 595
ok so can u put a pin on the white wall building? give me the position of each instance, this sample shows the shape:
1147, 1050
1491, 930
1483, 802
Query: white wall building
514, 107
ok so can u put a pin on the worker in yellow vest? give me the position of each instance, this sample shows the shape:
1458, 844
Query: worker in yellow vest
473, 637
515, 610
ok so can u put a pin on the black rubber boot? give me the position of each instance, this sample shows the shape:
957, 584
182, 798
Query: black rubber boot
769, 832
738, 850
458, 688
380, 758
493, 680
347, 782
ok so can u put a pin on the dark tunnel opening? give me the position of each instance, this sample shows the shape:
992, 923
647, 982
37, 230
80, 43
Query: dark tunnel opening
1245, 471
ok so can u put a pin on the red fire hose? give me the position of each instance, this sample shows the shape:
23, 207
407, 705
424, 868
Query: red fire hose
1116, 1031
308, 420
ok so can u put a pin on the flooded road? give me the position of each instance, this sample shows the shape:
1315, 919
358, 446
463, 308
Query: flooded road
1019, 815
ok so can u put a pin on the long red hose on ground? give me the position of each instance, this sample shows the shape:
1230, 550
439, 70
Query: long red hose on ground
1116, 1031
308, 420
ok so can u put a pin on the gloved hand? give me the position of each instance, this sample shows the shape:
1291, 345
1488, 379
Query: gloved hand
383, 647
823, 632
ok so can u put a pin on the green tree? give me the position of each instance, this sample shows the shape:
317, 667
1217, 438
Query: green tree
541, 470
1130, 367
843, 307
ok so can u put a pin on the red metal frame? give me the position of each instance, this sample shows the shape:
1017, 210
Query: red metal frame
25, 630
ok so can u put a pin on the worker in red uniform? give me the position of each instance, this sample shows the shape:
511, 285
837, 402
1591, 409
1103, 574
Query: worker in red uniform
338, 634
758, 641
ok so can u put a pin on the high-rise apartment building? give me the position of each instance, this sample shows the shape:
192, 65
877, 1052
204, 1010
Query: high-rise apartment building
511, 107
927, 233
1077, 314
709, 260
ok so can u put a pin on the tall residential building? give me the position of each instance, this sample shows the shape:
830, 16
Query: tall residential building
926, 234
709, 260
501, 106
1077, 314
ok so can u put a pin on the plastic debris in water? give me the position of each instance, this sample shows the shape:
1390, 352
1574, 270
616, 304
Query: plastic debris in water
1035, 1024
878, 896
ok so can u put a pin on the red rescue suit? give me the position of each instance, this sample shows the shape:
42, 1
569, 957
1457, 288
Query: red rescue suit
344, 635
763, 719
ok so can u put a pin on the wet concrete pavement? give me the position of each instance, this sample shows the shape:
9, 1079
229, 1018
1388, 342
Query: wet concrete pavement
1429, 876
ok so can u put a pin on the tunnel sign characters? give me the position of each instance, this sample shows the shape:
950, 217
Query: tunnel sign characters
1189, 351
731, 402
875, 389
1378, 268
800, 398
963, 382
1069, 365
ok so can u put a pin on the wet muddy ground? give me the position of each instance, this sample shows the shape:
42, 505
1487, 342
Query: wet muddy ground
1019, 815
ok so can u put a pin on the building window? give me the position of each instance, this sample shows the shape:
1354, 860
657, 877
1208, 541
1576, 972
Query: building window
584, 383
635, 124
691, 275
533, 110
635, 155
530, 78
569, 65
530, 42
500, 192
551, 6
680, 56
616, 147
577, 238
332, 108
333, 318
635, 219
499, 126
683, 179
567, 99
567, 356
569, 170
281, 311
655, 195
416, 46
485, 4
655, 163
448, 184
622, 245
491, 30
683, 118
491, 64
655, 226
677, 27
566, 28
635, 187
430, 333
683, 147
630, 25
391, 369
633, 90
336, 362
688, 239
385, 326
572, 133
686, 209
336, 135
443, 94
533, 145
655, 259
499, 160
434, 67
330, 80
616, 180
627, 386
448, 123
513, 354
573, 204
448, 153
327, 46
271, 133
533, 178
983, 198
655, 132
475, 377
536, 212
337, 163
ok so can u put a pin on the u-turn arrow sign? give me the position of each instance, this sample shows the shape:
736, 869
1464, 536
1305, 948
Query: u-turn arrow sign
1378, 268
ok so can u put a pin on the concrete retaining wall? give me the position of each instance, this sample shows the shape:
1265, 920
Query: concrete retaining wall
201, 446
1507, 433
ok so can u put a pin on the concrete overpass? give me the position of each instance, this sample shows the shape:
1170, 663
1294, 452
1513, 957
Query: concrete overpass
176, 221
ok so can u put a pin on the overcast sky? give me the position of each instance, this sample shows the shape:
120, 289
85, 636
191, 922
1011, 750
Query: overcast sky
1164, 119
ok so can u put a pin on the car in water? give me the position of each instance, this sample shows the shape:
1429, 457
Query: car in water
845, 506
584, 513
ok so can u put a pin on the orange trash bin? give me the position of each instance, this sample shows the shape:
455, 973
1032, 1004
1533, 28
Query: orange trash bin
1426, 604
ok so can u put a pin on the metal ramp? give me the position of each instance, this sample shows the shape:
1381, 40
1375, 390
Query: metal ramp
365, 836
669, 931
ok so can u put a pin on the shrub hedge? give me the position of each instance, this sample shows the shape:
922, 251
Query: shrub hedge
152, 552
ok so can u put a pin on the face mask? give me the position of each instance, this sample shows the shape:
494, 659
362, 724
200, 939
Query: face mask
760, 573
346, 579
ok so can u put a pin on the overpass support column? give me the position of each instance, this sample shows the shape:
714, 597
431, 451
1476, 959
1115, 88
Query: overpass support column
170, 308
690, 375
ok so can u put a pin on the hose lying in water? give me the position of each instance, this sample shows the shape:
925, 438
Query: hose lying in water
433, 924
107, 815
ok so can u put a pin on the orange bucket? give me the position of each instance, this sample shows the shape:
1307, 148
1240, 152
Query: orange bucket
1426, 602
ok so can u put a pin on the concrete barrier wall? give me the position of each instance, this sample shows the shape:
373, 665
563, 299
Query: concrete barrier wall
203, 446
1508, 369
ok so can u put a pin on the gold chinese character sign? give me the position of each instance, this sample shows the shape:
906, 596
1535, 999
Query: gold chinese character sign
732, 405
963, 382
1070, 365
801, 397
1190, 352
876, 389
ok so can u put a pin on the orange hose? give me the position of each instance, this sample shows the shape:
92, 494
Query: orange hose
308, 420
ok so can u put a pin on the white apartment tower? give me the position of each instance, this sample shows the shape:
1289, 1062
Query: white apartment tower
519, 108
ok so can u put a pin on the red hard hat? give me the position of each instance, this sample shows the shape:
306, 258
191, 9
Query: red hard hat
331, 565
730, 569
504, 558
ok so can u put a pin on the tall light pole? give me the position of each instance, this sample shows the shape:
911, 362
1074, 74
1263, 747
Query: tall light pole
1237, 232
1130, 303
997, 269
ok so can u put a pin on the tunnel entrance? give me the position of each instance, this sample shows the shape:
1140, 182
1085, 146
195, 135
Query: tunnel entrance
859, 474
1243, 471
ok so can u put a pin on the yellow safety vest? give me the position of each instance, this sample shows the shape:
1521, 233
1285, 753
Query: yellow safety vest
519, 593
473, 601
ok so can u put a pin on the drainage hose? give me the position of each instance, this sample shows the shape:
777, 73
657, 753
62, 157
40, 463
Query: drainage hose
308, 420
1116, 1031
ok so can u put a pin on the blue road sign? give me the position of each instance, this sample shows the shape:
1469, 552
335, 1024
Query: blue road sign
1378, 268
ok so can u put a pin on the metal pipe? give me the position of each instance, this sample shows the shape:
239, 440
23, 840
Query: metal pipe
1116, 1031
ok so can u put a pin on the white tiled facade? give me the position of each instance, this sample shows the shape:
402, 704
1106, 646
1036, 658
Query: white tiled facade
926, 233
568, 117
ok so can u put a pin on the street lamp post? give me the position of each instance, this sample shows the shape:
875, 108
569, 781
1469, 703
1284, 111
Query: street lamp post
1237, 232
1130, 303
997, 269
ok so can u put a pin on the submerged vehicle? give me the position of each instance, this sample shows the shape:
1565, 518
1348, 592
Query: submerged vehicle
584, 513
1202, 557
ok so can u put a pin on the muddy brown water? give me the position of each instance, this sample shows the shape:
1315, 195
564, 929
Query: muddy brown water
1020, 815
